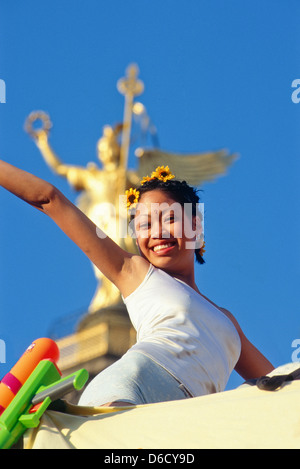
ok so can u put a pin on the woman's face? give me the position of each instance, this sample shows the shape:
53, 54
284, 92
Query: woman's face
165, 232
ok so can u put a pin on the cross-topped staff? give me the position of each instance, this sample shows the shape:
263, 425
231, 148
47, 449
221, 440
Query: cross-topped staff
130, 87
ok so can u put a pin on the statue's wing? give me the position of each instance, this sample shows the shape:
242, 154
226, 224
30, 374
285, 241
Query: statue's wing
196, 168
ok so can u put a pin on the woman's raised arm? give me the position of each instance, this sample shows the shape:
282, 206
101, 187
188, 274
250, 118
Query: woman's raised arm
115, 263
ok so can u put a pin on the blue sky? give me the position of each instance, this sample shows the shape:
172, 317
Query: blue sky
217, 75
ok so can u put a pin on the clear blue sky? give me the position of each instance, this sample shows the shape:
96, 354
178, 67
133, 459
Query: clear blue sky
217, 75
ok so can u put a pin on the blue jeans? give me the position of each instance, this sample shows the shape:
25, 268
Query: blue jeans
135, 379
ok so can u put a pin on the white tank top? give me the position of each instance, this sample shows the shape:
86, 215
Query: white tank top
183, 332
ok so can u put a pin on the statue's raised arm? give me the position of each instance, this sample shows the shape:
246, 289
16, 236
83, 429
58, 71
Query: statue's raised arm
40, 136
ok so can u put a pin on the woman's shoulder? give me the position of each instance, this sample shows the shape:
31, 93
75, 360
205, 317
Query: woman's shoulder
228, 314
232, 319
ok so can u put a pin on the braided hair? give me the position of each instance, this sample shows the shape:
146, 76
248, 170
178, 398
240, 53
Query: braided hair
180, 192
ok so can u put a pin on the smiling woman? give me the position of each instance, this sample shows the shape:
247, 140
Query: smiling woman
173, 207
186, 345
164, 233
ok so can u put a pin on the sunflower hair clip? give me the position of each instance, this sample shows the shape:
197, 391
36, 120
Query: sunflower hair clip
162, 173
132, 197
202, 250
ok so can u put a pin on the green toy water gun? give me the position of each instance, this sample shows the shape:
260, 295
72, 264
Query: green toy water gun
23, 404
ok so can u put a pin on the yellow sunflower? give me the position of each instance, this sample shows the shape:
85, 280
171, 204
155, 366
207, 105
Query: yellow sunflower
202, 250
132, 196
163, 173
145, 179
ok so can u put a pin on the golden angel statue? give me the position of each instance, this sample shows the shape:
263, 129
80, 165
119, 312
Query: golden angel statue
100, 187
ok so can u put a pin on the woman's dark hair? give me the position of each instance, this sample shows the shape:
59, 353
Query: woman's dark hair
180, 192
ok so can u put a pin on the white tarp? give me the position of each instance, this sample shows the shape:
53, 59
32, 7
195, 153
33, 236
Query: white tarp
246, 417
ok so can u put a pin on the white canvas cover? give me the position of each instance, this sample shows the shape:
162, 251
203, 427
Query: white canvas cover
246, 417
